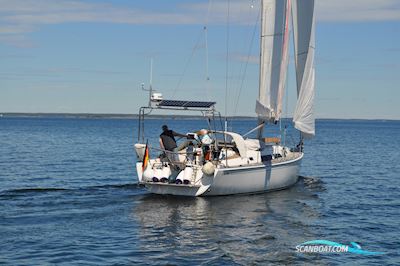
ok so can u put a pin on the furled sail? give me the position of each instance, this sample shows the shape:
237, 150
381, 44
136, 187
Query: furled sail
275, 17
304, 44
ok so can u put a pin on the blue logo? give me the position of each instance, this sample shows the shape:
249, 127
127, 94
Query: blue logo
326, 246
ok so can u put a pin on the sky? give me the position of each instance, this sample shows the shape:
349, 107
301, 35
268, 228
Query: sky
91, 56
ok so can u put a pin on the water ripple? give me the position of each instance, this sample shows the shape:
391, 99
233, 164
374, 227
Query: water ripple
69, 196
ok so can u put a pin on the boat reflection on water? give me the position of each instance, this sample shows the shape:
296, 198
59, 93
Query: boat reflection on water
239, 229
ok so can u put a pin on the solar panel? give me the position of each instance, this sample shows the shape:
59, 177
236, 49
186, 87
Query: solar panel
185, 104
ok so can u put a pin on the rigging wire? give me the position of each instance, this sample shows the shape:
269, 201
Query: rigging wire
242, 62
247, 62
187, 64
286, 112
197, 45
207, 78
227, 64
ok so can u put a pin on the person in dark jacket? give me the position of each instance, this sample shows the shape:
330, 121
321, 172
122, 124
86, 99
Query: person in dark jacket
168, 142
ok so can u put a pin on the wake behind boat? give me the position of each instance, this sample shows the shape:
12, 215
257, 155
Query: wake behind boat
215, 161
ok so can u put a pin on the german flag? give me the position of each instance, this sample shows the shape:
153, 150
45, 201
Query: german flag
145, 157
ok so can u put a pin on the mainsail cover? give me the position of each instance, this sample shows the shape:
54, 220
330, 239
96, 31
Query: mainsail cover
304, 44
275, 17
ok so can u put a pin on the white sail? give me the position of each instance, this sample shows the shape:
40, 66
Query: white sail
304, 44
285, 61
273, 22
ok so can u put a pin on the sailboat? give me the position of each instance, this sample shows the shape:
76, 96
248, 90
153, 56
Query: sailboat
230, 163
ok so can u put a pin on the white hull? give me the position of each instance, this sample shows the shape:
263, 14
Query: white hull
236, 180
255, 179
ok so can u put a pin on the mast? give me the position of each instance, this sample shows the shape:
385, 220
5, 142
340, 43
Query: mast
260, 119
227, 68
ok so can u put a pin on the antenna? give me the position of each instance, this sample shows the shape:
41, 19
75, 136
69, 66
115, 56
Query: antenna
154, 96
150, 89
151, 81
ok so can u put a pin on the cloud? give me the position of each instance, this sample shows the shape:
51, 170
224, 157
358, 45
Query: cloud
357, 10
15, 29
19, 41
56, 71
29, 13
81, 70
252, 59
15, 56
387, 66
391, 50
24, 16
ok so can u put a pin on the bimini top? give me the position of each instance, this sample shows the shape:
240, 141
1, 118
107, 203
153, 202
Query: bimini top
185, 104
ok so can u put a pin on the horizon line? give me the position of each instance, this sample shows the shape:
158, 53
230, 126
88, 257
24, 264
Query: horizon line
132, 115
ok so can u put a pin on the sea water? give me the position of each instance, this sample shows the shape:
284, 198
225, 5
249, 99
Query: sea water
69, 195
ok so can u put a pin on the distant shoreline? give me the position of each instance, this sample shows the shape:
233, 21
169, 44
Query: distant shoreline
135, 116
109, 116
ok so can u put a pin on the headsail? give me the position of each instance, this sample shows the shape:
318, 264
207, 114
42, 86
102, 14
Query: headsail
275, 17
304, 44
285, 61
